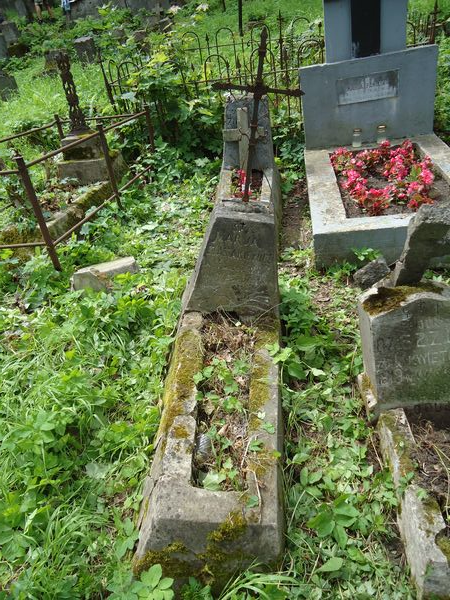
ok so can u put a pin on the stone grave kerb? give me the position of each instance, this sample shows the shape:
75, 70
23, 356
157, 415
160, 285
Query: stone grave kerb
354, 29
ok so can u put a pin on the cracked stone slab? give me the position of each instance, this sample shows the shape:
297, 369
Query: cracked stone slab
420, 520
372, 273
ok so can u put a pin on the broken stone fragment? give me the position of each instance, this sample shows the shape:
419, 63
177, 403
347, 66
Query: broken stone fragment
98, 277
426, 239
405, 338
371, 273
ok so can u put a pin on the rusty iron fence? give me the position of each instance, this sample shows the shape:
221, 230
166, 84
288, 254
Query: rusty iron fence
222, 57
423, 28
225, 56
22, 170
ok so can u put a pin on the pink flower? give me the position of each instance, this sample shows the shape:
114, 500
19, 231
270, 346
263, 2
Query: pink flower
414, 188
427, 176
409, 178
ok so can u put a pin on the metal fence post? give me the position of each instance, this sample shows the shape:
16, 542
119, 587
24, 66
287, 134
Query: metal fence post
151, 130
109, 165
59, 127
31, 193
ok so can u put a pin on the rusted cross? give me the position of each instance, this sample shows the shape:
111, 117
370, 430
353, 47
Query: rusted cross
258, 89
76, 116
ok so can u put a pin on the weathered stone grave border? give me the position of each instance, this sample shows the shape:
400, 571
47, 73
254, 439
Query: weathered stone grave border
192, 531
62, 221
110, 166
334, 234
420, 520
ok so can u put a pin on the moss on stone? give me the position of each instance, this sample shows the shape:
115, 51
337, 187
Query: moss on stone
94, 196
387, 299
180, 432
263, 460
259, 393
366, 385
402, 443
232, 528
443, 543
268, 333
186, 361
220, 556
172, 565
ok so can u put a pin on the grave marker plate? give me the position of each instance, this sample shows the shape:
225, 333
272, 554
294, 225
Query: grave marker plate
374, 86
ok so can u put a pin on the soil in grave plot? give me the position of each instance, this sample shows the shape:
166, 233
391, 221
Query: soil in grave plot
433, 459
296, 230
440, 191
238, 184
223, 447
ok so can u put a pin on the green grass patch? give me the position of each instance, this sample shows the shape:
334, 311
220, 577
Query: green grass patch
81, 377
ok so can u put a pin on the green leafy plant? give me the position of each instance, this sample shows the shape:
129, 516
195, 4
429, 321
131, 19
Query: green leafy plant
151, 586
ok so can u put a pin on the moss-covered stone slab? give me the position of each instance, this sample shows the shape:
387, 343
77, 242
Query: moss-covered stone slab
405, 335
191, 531
61, 222
420, 520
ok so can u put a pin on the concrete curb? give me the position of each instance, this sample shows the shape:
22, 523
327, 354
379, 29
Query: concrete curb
419, 519
334, 234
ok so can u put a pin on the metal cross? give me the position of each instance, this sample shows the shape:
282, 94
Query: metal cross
76, 116
258, 89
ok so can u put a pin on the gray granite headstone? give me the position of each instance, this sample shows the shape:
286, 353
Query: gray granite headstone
8, 85
10, 32
3, 47
366, 92
405, 335
86, 49
347, 21
370, 78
